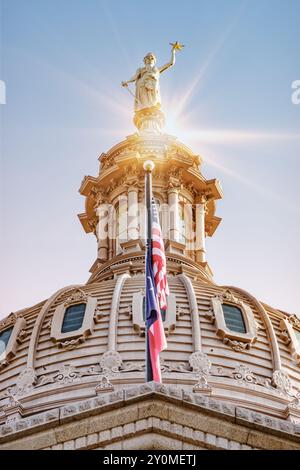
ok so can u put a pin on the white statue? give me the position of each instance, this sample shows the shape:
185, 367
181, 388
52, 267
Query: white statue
147, 91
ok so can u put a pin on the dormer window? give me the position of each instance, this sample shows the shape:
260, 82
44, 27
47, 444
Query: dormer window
4, 338
12, 333
138, 309
233, 317
73, 318
234, 320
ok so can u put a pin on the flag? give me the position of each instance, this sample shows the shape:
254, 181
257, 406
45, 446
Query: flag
156, 293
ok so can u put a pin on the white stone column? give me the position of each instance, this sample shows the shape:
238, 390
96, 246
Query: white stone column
173, 214
200, 230
133, 222
122, 222
111, 235
102, 231
189, 230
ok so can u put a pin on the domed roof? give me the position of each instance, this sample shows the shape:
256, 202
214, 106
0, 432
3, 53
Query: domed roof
88, 340
48, 369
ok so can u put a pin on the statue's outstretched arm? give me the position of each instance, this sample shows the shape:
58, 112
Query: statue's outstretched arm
169, 64
131, 80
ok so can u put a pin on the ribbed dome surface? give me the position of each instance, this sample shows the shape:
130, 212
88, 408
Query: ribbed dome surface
44, 373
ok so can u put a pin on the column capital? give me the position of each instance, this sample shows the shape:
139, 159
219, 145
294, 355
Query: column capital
201, 198
173, 188
131, 188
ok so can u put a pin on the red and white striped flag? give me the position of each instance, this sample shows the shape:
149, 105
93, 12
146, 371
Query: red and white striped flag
159, 263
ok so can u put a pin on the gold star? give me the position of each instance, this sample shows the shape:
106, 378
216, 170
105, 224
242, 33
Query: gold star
177, 46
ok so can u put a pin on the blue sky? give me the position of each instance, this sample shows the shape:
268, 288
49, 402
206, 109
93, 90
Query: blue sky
63, 61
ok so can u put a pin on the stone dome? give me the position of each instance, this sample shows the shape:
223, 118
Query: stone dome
48, 365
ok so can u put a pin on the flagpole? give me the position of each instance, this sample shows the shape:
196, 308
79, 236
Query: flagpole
148, 167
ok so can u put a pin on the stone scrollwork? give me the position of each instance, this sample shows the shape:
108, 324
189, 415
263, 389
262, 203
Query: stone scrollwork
244, 373
66, 374
111, 361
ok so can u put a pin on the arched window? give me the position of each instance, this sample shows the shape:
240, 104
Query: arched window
234, 319
73, 318
4, 338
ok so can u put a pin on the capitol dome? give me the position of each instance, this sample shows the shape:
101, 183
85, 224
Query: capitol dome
72, 368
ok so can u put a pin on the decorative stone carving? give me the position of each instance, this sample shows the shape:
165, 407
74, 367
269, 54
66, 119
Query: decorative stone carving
284, 335
111, 361
289, 326
71, 344
78, 296
180, 311
98, 315
21, 336
107, 161
282, 382
294, 321
26, 381
93, 191
12, 395
132, 367
127, 310
210, 316
239, 342
9, 321
66, 374
295, 403
202, 385
200, 363
237, 346
104, 385
175, 367
93, 225
244, 374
